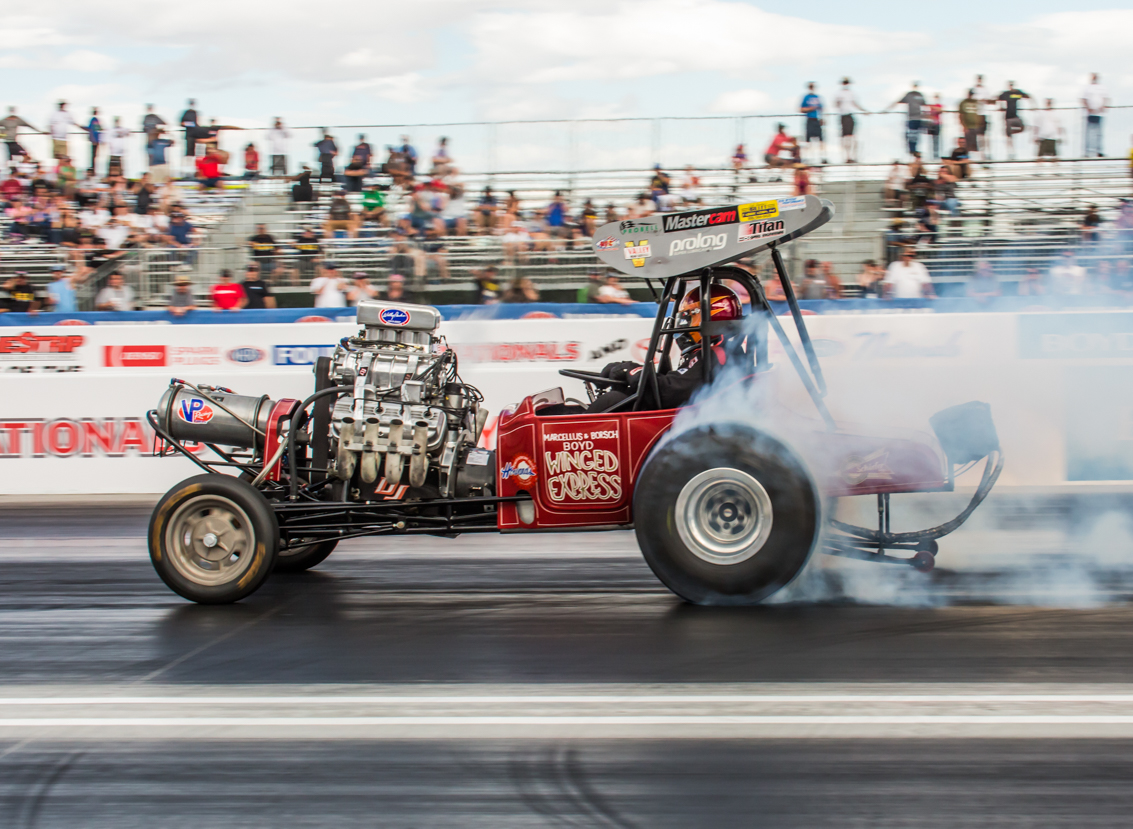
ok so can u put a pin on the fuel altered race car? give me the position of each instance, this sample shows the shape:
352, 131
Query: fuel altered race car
727, 507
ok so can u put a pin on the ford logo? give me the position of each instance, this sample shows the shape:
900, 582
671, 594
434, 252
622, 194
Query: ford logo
247, 354
394, 316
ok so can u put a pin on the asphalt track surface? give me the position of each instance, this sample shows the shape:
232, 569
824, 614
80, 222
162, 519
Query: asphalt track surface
551, 681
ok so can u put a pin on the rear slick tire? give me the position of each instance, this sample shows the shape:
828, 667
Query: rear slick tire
213, 539
725, 515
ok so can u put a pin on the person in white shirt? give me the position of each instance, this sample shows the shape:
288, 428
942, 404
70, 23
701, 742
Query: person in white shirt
1094, 101
1068, 277
330, 288
983, 97
114, 234
1048, 132
846, 103
116, 139
61, 121
907, 278
278, 136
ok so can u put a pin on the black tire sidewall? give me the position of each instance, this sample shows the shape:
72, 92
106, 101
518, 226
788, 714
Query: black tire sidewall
795, 504
259, 513
310, 555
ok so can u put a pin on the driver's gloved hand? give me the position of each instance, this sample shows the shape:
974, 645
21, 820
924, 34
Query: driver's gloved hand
619, 371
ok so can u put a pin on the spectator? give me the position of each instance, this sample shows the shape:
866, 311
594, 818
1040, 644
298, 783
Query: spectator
455, 212
395, 290
594, 281
1091, 226
833, 283
310, 248
227, 295
932, 125
156, 149
327, 150
958, 162
983, 97
781, 143
521, 289
613, 293
363, 150
813, 285
971, 122
739, 160
20, 296
1031, 284
257, 293
847, 104
374, 206
209, 171
251, 162
907, 278
65, 177
442, 162
436, 254
556, 210
340, 217
150, 122
811, 107
180, 231
983, 286
1067, 276
690, 192
117, 136
264, 249
61, 290
114, 233
94, 132
486, 209
895, 183
914, 101
870, 278
946, 190
487, 285
181, 299
802, 180
1048, 132
302, 192
61, 120
278, 136
190, 122
11, 130
1012, 121
1095, 101
330, 288
355, 173
409, 155
361, 289
116, 296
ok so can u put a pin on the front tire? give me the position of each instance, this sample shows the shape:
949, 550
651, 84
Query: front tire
725, 515
298, 559
213, 539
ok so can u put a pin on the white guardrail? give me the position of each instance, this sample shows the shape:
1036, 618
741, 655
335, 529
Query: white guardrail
73, 398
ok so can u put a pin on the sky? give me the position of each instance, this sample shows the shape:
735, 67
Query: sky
442, 61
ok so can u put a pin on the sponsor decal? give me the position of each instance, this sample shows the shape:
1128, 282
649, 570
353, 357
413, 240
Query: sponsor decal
582, 466
608, 348
300, 355
700, 218
533, 315
628, 228
758, 210
394, 316
390, 492
72, 322
133, 356
1075, 336
194, 410
873, 467
518, 352
792, 203
111, 437
609, 243
880, 346
638, 252
699, 243
245, 354
759, 230
41, 368
193, 355
32, 347
313, 318
520, 468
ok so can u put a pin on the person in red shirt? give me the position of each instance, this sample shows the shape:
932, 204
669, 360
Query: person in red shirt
227, 295
208, 169
11, 188
781, 141
251, 162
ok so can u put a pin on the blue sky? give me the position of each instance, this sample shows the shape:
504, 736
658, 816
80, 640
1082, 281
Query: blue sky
355, 62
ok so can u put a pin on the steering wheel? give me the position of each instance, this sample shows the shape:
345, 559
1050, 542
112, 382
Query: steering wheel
593, 377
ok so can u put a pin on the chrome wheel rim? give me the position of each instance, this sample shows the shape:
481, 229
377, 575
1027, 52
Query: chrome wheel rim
724, 516
210, 540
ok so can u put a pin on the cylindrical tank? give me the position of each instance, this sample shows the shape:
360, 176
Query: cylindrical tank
188, 416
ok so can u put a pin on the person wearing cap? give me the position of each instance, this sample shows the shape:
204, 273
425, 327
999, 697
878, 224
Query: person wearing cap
395, 290
227, 295
61, 290
181, 299
360, 289
256, 291
19, 296
310, 248
330, 288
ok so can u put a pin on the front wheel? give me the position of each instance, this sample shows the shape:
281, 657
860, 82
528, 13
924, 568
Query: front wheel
725, 515
213, 539
304, 557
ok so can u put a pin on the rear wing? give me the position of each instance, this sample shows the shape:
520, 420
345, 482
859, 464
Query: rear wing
673, 244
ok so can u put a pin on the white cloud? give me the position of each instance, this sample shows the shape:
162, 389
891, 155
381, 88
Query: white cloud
740, 101
26, 32
85, 60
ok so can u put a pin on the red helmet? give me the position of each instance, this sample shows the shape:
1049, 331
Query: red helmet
723, 304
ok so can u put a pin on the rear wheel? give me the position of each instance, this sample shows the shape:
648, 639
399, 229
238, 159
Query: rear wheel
213, 539
725, 515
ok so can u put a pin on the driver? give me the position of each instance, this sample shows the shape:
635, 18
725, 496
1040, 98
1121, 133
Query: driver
677, 386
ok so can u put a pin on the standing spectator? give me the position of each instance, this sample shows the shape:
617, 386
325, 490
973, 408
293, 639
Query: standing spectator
61, 120
190, 122
362, 150
150, 122
19, 296
409, 155
1067, 276
116, 296
94, 132
227, 295
251, 162
971, 121
327, 150
870, 278
264, 249
1095, 101
1012, 122
61, 290
330, 288
811, 107
181, 299
117, 136
935, 112
1048, 132
257, 294
355, 173
278, 136
907, 278
915, 102
11, 130
613, 293
487, 285
847, 104
156, 149
983, 98
361, 289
